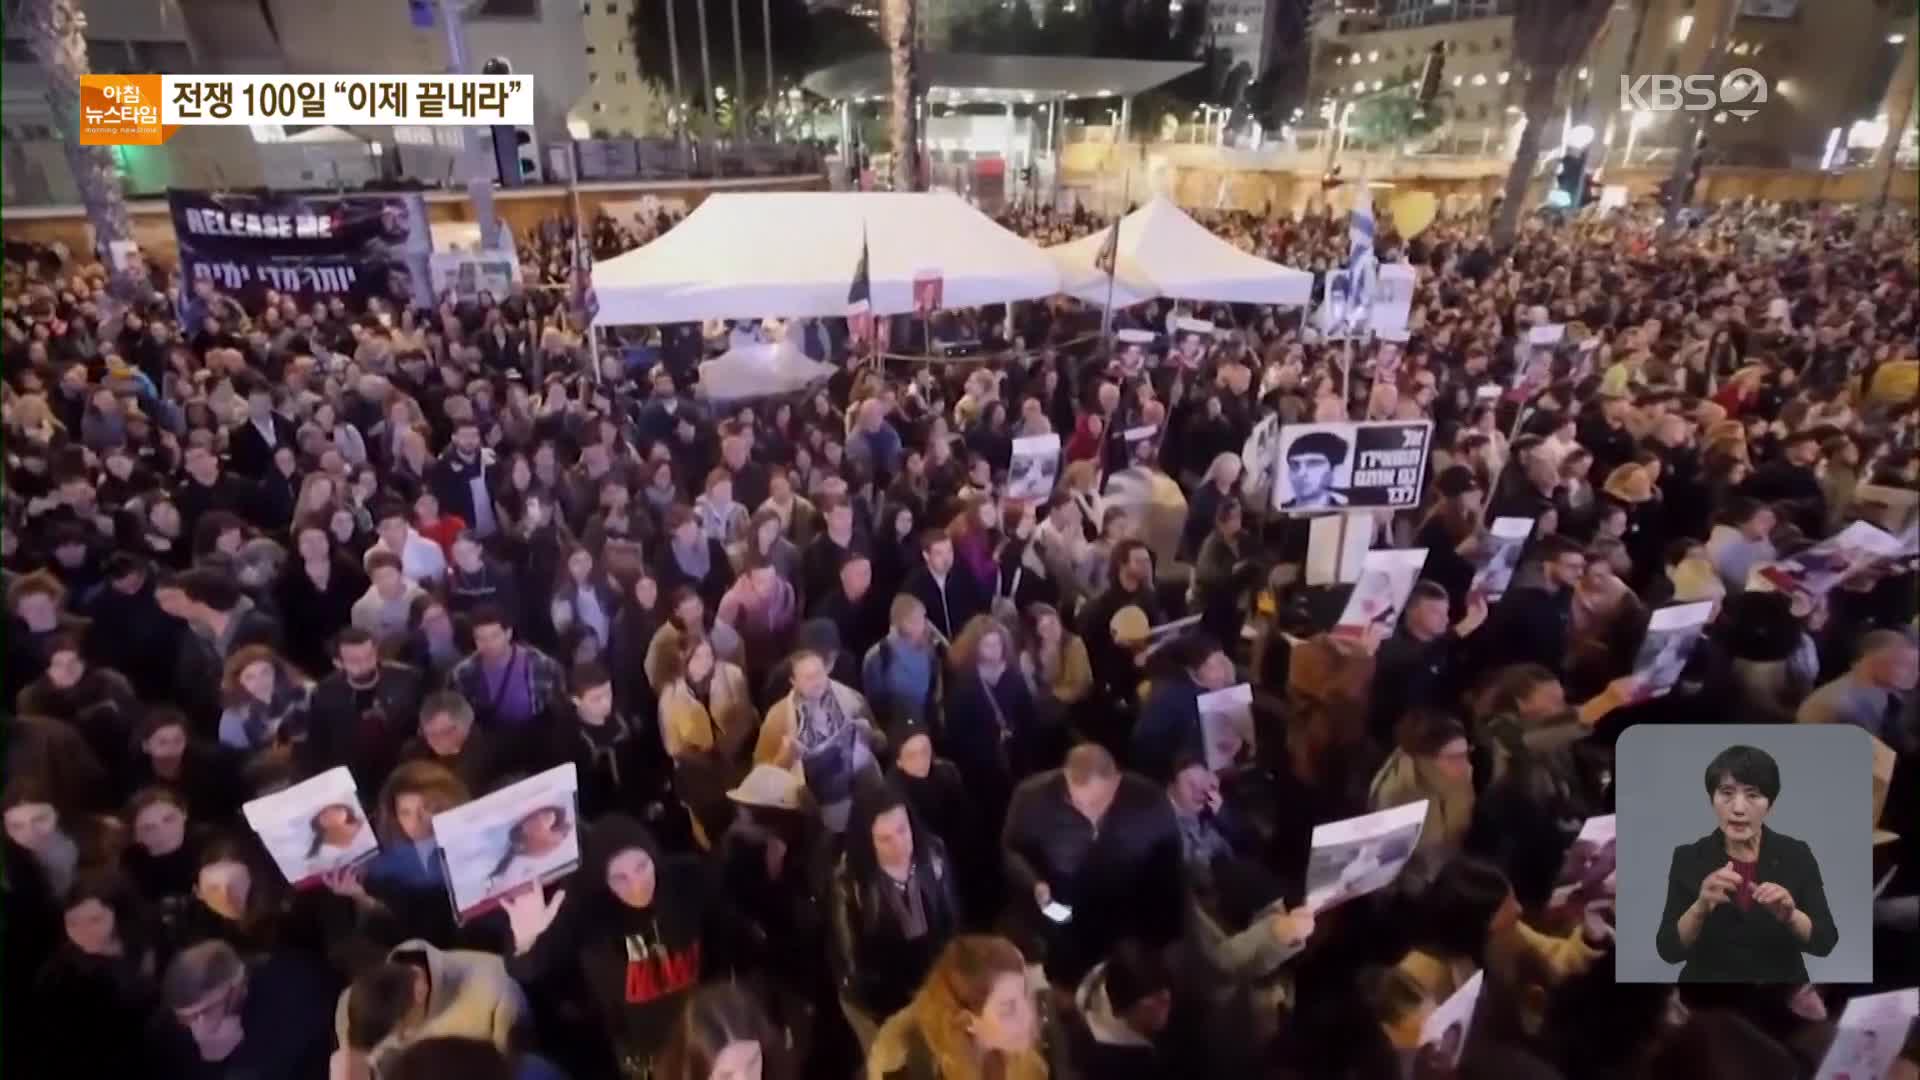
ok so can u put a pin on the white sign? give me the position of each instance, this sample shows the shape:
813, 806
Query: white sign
1672, 633
1392, 304
1226, 725
1034, 467
1548, 335
1826, 564
313, 827
465, 275
1362, 854
526, 832
1386, 580
1499, 555
345, 100
1447, 1025
1870, 1035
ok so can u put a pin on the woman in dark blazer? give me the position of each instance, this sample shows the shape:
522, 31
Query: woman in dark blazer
1743, 902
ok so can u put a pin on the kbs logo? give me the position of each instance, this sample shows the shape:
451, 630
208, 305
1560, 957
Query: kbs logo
1736, 93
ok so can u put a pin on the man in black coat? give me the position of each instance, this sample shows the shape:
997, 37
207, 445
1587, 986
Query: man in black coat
853, 607
1606, 437
362, 715
221, 621
1100, 843
128, 632
1533, 622
458, 478
251, 445
207, 488
951, 595
1792, 485
1422, 665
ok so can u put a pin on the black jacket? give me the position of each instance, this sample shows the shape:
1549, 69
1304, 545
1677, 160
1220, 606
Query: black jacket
247, 451
363, 730
876, 966
1748, 945
951, 607
1531, 625
316, 615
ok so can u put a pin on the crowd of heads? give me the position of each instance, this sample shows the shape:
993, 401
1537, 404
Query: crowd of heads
878, 766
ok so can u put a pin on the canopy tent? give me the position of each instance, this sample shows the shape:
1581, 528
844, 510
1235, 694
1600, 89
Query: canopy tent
1163, 252
757, 371
747, 255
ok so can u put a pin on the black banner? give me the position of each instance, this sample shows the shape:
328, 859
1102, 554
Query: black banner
305, 246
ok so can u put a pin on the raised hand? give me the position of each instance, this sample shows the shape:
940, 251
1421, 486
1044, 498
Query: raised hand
530, 913
1716, 888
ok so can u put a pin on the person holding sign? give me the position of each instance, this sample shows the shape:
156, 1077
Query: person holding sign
1744, 902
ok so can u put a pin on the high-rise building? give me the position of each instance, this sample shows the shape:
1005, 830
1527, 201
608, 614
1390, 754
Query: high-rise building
1244, 28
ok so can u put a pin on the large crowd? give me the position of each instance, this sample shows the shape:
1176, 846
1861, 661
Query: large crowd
852, 727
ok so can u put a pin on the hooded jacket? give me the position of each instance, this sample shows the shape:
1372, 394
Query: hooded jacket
469, 996
636, 964
1103, 1045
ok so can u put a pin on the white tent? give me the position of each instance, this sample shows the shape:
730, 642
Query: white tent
1163, 252
754, 371
791, 254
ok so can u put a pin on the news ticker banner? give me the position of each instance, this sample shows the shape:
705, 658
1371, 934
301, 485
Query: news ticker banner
146, 110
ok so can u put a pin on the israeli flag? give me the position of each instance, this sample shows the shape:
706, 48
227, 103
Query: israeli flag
1362, 266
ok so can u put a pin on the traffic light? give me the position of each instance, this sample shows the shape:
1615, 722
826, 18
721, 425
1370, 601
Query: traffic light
1432, 74
516, 159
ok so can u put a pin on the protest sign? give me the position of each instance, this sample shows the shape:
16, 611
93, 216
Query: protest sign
1672, 633
1587, 869
1226, 725
1499, 556
1872, 1031
1034, 467
928, 290
1391, 306
1446, 1027
1379, 464
314, 827
497, 843
1386, 580
1361, 854
305, 246
1818, 569
465, 275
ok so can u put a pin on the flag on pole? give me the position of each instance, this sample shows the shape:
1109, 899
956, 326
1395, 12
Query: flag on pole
1362, 265
860, 297
1109, 254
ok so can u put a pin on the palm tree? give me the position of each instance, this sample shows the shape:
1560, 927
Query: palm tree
57, 33
903, 126
1549, 36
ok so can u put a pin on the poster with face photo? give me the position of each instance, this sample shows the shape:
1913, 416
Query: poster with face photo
1380, 595
1362, 854
1351, 466
1447, 1026
1819, 568
526, 832
1587, 869
1871, 1033
314, 827
1672, 633
1499, 556
1226, 725
1035, 466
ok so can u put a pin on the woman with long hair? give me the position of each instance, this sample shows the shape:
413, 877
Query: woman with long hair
407, 876
975, 532
767, 542
690, 557
894, 907
1452, 533
319, 588
266, 700
583, 596
724, 1034
707, 722
974, 1018
1054, 661
994, 730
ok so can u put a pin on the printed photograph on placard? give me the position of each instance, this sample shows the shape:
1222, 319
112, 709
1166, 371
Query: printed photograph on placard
314, 827
1034, 468
1362, 854
1446, 1027
1339, 466
1226, 725
1819, 568
1499, 555
1672, 633
1378, 598
1587, 869
529, 831
1871, 1033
